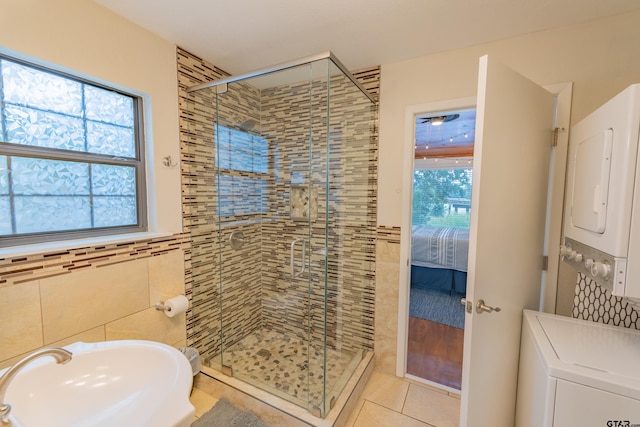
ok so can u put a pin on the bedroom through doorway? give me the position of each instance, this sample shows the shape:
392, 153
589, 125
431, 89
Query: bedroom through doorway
440, 218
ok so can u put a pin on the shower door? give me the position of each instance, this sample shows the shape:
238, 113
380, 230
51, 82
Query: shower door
284, 248
271, 157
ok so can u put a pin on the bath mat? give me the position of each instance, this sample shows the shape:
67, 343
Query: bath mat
224, 414
437, 306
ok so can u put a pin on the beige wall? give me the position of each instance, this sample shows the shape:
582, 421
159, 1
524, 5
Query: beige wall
600, 57
86, 39
102, 292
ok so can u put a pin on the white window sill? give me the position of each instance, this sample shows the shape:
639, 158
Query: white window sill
40, 248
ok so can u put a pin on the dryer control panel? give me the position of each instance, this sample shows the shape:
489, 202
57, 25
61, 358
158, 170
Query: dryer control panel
606, 270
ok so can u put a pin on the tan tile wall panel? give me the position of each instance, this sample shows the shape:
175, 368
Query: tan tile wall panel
69, 306
20, 312
143, 325
387, 279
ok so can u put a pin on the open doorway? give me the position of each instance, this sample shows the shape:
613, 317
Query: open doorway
440, 218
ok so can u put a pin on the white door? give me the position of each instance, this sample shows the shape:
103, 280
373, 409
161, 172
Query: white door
511, 164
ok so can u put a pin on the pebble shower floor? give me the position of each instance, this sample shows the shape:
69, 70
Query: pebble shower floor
272, 360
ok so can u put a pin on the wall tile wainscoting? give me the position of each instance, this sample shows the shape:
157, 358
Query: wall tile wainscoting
46, 299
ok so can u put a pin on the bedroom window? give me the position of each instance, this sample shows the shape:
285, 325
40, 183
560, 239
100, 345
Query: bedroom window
71, 157
442, 195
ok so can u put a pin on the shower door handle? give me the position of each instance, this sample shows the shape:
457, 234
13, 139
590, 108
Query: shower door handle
295, 273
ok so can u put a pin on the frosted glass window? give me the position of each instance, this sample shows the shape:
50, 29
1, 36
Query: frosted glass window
29, 126
109, 180
24, 85
260, 155
108, 139
49, 177
113, 211
223, 148
42, 213
241, 150
243, 153
108, 106
71, 157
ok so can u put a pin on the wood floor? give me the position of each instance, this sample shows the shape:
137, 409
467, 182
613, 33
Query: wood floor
435, 352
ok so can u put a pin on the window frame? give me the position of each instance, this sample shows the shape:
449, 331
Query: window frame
138, 163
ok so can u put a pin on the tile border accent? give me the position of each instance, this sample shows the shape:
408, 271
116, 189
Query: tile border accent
389, 234
21, 269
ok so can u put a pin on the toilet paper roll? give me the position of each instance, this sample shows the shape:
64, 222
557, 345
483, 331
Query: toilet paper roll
176, 305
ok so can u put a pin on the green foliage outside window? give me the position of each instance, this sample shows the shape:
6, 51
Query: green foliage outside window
442, 197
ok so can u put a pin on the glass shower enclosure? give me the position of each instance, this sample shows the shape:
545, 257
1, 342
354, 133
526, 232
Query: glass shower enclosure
282, 223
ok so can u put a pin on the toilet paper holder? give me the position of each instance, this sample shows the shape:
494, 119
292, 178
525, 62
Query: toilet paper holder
162, 306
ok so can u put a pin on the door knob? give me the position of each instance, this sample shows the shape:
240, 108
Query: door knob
481, 307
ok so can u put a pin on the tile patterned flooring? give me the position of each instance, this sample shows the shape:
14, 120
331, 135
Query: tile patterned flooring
386, 401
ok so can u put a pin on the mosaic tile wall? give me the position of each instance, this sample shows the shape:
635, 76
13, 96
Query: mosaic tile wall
595, 303
259, 295
199, 204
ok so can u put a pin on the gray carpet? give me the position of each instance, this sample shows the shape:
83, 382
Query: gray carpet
437, 306
224, 414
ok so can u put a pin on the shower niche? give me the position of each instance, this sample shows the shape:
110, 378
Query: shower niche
286, 158
303, 202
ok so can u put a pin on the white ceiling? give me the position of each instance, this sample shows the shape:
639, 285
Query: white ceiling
240, 36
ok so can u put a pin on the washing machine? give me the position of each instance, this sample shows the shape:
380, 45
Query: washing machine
577, 373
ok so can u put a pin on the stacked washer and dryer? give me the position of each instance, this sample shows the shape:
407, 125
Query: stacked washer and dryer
575, 372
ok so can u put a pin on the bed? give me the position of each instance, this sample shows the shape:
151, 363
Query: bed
439, 257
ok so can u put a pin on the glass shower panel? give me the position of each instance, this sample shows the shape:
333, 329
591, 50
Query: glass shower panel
318, 196
201, 219
244, 174
350, 229
283, 229
267, 203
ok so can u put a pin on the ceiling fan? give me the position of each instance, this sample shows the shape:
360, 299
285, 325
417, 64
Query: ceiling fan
438, 120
